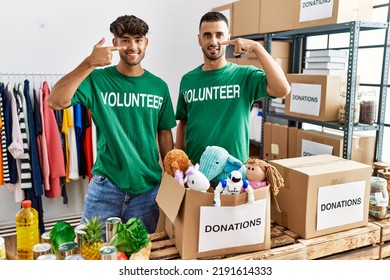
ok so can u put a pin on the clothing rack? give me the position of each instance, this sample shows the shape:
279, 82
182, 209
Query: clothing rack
20, 76
31, 74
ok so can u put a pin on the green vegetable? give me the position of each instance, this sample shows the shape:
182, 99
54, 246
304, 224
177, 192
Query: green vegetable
61, 232
131, 237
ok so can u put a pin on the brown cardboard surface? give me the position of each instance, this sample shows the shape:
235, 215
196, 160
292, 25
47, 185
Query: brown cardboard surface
363, 145
292, 141
303, 177
276, 15
267, 127
228, 8
279, 141
283, 62
184, 212
246, 17
170, 196
336, 141
331, 88
279, 49
343, 11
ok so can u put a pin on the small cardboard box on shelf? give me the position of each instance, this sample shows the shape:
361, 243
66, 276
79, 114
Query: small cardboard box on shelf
317, 13
314, 97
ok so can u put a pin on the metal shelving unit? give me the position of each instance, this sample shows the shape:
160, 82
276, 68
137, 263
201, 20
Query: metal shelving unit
298, 38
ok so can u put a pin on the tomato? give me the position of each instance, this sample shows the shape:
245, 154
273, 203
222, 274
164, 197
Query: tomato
121, 256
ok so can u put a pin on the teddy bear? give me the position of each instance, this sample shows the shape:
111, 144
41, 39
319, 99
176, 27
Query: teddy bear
260, 173
176, 163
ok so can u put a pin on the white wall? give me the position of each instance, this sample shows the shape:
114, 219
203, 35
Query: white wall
55, 36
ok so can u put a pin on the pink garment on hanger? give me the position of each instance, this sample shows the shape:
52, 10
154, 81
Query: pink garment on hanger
54, 147
42, 148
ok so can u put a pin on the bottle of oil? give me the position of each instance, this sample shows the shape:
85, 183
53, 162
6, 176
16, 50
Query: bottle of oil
27, 230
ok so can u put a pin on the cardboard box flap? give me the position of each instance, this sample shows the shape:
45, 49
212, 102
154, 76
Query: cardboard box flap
318, 161
170, 196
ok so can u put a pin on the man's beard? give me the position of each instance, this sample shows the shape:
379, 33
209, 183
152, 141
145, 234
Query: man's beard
218, 54
132, 62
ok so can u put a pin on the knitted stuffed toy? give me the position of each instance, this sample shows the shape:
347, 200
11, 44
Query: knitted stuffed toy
216, 163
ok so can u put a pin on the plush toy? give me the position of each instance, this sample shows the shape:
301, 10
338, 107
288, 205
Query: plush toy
196, 180
233, 186
260, 173
176, 163
216, 163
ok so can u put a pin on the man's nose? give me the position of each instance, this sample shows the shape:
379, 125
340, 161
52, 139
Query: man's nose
131, 45
214, 40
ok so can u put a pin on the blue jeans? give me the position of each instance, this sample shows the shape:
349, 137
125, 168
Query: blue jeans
104, 199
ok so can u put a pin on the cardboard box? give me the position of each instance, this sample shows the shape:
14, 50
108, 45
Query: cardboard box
283, 62
313, 142
314, 97
279, 141
227, 10
258, 16
186, 210
276, 15
246, 17
292, 141
276, 141
316, 13
323, 194
267, 127
280, 51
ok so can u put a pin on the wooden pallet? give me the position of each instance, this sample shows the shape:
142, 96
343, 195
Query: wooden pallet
384, 243
354, 244
284, 245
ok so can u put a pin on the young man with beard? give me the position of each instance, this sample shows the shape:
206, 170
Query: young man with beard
130, 108
216, 97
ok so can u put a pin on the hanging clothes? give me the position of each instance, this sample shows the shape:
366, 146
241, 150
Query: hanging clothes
59, 119
33, 148
4, 152
42, 145
88, 144
78, 124
67, 122
16, 149
25, 176
1, 159
73, 157
12, 167
54, 147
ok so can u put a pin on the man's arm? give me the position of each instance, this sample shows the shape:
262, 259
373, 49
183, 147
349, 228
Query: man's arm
278, 85
165, 142
63, 91
181, 135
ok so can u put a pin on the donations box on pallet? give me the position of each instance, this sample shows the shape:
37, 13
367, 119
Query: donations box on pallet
202, 230
323, 194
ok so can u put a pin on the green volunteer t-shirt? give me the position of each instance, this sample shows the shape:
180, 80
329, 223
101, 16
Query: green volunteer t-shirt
127, 113
216, 105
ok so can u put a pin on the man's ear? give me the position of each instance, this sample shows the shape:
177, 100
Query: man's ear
115, 42
200, 44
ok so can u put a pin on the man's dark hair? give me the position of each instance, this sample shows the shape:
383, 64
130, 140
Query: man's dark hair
213, 17
128, 25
